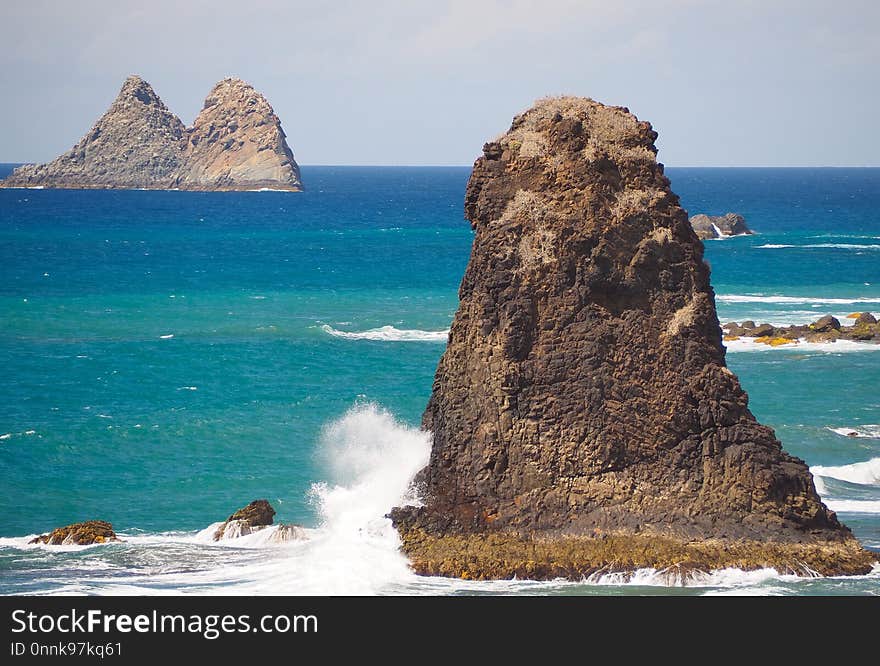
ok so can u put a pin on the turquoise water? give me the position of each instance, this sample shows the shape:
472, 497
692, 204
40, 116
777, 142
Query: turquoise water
169, 356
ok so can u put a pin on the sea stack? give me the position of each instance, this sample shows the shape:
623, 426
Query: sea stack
236, 143
583, 416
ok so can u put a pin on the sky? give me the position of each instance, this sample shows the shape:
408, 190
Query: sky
391, 82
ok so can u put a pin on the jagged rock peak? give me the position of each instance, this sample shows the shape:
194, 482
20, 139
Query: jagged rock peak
584, 391
236, 143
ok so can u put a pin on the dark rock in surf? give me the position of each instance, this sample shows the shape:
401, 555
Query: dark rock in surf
79, 534
257, 514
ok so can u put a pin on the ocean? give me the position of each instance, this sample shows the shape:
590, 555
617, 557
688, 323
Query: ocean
168, 357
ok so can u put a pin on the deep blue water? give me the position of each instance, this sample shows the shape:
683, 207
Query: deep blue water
102, 414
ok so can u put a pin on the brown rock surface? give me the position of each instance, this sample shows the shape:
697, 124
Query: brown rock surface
79, 534
584, 392
136, 143
708, 227
255, 515
236, 143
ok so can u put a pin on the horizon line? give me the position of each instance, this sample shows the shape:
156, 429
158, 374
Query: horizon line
469, 166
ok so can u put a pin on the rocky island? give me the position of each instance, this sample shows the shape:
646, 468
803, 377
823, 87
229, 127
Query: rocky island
235, 143
583, 416
710, 227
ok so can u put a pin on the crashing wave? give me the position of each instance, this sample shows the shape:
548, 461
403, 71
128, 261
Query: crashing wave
389, 334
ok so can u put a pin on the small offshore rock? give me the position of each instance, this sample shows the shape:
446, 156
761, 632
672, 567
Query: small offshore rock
825, 324
79, 534
708, 227
246, 520
288, 532
761, 331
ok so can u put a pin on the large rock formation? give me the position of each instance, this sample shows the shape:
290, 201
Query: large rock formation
583, 415
136, 143
236, 143
236, 140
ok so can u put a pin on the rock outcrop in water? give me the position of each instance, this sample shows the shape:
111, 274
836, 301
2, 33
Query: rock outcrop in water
236, 143
258, 513
709, 227
864, 328
79, 534
256, 516
583, 415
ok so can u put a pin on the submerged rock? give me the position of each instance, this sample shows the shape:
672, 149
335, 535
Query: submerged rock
583, 416
288, 532
79, 534
236, 143
708, 227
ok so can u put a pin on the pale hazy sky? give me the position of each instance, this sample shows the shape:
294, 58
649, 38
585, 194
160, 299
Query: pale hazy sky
734, 82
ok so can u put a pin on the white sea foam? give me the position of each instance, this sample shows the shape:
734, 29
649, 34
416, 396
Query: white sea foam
370, 460
166, 337
853, 506
836, 246
867, 472
187, 388
863, 431
676, 577
800, 300
389, 334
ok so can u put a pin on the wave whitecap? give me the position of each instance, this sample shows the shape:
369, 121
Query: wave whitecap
866, 473
835, 246
798, 300
389, 334
862, 431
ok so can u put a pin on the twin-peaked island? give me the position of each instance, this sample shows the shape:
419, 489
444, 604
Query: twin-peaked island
235, 143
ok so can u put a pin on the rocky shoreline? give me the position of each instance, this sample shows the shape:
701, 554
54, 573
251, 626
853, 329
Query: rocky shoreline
864, 328
501, 555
